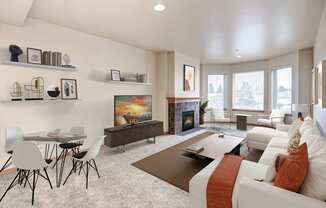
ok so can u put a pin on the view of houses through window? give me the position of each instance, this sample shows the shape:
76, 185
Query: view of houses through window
282, 89
216, 91
248, 91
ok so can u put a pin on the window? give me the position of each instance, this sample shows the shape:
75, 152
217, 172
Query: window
248, 91
215, 91
282, 89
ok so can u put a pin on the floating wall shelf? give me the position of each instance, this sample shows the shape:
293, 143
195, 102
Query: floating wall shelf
129, 83
59, 68
37, 101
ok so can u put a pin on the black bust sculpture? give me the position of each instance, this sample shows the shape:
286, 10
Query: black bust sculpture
15, 52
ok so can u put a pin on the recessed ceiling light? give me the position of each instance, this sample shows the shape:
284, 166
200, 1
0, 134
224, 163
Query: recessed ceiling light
159, 7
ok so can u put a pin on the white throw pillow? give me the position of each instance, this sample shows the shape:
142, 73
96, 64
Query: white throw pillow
309, 136
306, 125
315, 182
271, 170
294, 128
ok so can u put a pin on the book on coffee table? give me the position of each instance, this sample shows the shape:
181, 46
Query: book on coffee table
195, 148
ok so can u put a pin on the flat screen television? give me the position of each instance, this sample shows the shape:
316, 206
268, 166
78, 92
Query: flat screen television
136, 107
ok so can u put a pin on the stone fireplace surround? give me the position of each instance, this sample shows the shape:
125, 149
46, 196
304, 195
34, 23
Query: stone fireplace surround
178, 105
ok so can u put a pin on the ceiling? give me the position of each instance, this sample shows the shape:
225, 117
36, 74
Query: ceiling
210, 29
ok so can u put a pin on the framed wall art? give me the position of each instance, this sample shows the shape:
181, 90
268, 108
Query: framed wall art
34, 56
69, 89
115, 75
188, 78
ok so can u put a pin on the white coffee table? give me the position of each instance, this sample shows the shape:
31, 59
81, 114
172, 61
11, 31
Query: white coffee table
215, 147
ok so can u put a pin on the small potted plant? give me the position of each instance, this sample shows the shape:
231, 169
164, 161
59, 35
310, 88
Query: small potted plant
202, 111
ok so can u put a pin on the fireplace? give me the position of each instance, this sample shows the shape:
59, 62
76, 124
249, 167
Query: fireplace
183, 114
188, 120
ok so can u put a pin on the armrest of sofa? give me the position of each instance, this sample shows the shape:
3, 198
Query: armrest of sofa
259, 194
282, 127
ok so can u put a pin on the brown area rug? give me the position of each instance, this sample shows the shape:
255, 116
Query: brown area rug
174, 166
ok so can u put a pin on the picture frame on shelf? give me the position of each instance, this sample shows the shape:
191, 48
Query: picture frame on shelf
34, 56
115, 75
69, 89
188, 78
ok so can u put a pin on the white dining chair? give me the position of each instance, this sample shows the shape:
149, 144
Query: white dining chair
29, 161
85, 158
13, 134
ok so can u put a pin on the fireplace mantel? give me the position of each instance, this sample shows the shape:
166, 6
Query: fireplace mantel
183, 99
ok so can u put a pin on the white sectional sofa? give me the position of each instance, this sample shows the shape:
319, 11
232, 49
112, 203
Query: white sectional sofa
249, 193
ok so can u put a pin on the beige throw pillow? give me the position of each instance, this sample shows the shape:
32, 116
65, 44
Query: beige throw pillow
295, 126
294, 142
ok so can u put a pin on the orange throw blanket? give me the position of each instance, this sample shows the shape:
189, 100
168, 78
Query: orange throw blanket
221, 183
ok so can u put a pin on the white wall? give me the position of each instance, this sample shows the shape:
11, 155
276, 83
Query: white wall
320, 43
180, 61
93, 56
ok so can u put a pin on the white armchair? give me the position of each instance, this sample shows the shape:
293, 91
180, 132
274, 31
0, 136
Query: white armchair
254, 194
276, 117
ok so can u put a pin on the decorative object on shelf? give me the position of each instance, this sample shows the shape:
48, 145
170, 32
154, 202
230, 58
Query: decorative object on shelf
35, 90
15, 52
130, 77
188, 78
17, 92
69, 89
115, 75
47, 58
56, 59
34, 56
66, 59
53, 91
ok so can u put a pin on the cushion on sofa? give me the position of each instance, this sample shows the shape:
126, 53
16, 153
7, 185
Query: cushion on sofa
295, 126
269, 153
294, 142
294, 170
306, 125
315, 182
262, 136
279, 142
271, 170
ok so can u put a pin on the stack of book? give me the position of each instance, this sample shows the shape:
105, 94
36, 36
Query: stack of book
195, 148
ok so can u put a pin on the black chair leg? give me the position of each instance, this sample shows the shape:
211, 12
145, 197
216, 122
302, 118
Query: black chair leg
33, 187
6, 163
87, 175
81, 166
73, 169
10, 186
96, 168
48, 179
27, 176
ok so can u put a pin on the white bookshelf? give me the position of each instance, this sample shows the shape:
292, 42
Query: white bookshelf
42, 66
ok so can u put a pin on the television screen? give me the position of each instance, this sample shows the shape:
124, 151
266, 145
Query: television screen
132, 107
